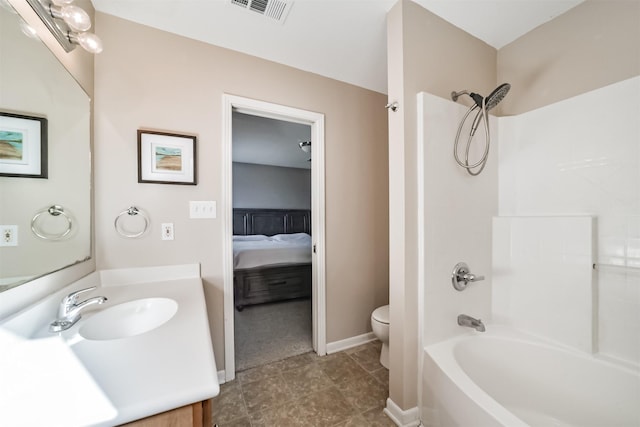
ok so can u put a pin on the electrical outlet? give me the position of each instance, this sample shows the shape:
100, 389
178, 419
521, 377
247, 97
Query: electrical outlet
167, 231
9, 235
202, 209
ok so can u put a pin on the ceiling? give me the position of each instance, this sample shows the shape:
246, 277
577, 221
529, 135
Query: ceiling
265, 141
341, 39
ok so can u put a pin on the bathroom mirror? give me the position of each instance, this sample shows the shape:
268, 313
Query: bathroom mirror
45, 217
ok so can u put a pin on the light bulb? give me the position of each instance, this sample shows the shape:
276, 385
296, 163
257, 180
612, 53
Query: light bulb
28, 30
75, 17
89, 41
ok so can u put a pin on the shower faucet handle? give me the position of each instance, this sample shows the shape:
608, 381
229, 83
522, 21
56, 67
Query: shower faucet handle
461, 276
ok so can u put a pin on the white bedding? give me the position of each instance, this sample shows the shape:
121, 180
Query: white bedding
259, 251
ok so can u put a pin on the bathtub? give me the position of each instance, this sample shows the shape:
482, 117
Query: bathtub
505, 378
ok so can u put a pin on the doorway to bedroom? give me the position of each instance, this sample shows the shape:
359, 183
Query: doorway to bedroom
274, 286
271, 173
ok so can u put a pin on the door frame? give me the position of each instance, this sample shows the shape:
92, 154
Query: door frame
231, 103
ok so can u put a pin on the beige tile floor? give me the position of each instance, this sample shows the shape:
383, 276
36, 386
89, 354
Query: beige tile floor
346, 389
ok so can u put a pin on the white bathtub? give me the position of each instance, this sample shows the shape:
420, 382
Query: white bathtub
502, 378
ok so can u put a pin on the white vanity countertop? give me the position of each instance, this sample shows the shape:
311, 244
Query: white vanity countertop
165, 368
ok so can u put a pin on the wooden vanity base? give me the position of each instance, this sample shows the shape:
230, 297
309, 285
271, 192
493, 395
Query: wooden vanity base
194, 415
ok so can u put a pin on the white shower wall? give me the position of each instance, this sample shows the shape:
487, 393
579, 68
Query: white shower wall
543, 279
582, 156
456, 211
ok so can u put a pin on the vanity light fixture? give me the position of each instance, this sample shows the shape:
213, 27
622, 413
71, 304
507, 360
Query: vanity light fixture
68, 23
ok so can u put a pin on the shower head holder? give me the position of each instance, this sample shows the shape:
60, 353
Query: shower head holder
455, 95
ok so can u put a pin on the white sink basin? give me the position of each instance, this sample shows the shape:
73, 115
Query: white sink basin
129, 319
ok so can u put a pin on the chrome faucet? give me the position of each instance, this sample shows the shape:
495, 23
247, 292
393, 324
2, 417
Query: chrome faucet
464, 320
69, 309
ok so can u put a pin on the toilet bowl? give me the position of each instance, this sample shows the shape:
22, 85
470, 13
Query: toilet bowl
380, 327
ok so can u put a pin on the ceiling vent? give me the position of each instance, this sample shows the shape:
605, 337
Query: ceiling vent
274, 9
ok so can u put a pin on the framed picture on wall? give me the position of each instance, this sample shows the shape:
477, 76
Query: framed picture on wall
166, 158
23, 146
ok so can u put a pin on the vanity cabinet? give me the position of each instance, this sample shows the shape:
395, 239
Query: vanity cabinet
195, 415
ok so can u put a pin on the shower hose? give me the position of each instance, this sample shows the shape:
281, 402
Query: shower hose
481, 116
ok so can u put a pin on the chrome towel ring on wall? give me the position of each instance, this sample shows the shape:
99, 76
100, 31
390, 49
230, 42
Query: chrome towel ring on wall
132, 211
55, 210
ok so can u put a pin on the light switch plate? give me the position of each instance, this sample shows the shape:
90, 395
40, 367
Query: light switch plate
202, 209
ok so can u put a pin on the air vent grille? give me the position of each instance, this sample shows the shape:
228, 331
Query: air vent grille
274, 9
259, 5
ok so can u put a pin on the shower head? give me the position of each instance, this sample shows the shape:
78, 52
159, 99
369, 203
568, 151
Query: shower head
490, 101
496, 96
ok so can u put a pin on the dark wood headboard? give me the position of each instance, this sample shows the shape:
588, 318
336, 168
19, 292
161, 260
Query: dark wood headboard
271, 221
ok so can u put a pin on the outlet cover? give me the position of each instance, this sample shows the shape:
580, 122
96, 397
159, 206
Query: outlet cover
9, 236
167, 231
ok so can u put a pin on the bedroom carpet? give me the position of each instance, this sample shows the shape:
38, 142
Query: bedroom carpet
267, 333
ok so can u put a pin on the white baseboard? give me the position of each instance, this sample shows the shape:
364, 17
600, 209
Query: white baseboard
222, 377
336, 346
408, 418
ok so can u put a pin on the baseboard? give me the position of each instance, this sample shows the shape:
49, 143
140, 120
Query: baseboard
336, 346
222, 377
408, 418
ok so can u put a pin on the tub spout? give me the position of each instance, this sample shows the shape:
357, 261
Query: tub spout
464, 320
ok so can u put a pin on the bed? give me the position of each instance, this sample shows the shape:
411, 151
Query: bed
271, 255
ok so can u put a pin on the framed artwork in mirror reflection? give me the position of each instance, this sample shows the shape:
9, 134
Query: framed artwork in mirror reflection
166, 158
23, 146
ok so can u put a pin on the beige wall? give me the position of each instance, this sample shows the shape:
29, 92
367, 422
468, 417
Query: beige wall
592, 45
425, 53
147, 78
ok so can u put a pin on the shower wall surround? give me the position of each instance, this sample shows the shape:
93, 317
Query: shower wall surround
582, 156
543, 277
456, 218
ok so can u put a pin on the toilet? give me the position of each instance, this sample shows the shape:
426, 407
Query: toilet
380, 326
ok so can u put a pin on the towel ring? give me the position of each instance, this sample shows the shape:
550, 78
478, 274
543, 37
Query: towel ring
132, 211
55, 210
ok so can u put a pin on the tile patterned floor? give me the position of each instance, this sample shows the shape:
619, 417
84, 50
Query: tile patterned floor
346, 389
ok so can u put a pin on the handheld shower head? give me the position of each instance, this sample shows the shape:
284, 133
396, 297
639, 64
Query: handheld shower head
490, 101
496, 96
484, 105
